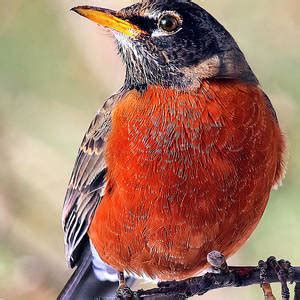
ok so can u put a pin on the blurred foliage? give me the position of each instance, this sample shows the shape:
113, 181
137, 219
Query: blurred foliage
56, 70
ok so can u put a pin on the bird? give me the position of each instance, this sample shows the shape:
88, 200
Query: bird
180, 161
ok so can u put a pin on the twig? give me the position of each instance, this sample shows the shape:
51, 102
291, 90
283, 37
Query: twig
237, 277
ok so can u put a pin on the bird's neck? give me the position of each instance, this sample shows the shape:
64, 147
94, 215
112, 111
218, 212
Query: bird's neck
166, 76
142, 69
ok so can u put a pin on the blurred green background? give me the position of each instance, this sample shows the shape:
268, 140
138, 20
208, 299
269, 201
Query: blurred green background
55, 71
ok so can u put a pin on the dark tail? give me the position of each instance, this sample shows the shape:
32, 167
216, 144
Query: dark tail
83, 284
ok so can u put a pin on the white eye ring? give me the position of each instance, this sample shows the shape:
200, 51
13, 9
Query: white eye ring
163, 32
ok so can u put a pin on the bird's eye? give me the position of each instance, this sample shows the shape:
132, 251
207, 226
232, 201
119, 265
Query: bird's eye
169, 23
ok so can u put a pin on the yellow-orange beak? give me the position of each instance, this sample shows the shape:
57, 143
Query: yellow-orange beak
108, 19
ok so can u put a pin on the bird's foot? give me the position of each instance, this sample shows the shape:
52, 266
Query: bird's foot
285, 272
124, 293
265, 285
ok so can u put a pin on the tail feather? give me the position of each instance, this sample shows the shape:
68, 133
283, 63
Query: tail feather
84, 284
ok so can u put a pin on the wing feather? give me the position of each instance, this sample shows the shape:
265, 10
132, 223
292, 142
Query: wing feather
87, 183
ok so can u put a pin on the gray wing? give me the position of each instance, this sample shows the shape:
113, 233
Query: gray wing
87, 184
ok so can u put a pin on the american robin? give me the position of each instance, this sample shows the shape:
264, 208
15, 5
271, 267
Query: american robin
179, 162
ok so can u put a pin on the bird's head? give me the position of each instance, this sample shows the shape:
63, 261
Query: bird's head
171, 43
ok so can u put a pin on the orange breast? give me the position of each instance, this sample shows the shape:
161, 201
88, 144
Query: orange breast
188, 173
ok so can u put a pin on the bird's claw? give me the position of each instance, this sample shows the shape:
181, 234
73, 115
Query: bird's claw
263, 271
284, 271
281, 268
